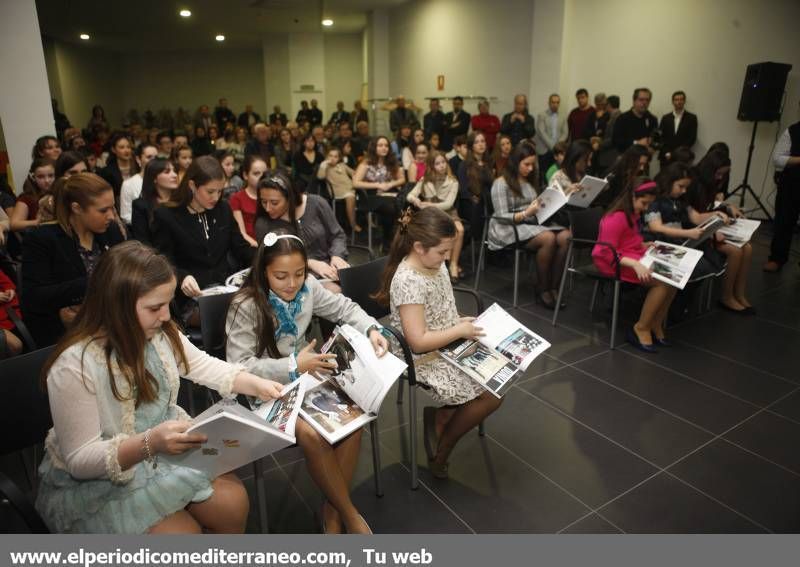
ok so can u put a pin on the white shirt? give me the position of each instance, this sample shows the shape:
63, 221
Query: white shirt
678, 118
783, 151
131, 189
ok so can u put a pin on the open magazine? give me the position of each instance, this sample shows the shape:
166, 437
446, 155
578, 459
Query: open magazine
550, 202
590, 189
496, 359
232, 284
237, 435
740, 231
709, 227
352, 396
671, 263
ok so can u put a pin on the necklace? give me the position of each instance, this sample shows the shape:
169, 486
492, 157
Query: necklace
202, 218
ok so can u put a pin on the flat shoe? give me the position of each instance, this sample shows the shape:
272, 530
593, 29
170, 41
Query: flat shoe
437, 470
429, 431
633, 338
747, 311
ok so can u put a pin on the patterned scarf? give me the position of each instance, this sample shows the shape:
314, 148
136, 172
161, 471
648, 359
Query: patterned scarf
286, 312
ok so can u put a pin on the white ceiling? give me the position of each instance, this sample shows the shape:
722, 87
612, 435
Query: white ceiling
149, 25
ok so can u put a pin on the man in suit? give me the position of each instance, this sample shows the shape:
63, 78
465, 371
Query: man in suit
456, 123
223, 114
551, 128
434, 121
203, 118
401, 115
340, 115
248, 118
678, 128
637, 125
278, 116
314, 114
519, 124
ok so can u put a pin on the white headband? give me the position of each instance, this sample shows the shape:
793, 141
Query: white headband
271, 238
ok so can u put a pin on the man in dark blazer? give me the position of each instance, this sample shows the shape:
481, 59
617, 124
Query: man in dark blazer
248, 118
278, 116
456, 123
678, 128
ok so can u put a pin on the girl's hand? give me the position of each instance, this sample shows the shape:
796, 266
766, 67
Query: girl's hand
573, 188
532, 209
6, 296
322, 269
251, 241
642, 272
268, 389
694, 233
468, 330
313, 362
339, 263
737, 212
170, 438
726, 219
190, 287
379, 342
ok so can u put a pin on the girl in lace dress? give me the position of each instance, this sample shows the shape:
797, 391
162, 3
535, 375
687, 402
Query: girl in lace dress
416, 286
113, 383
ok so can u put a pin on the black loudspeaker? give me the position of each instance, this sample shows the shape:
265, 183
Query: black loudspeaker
762, 92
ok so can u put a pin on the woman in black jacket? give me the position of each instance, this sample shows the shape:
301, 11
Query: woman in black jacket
57, 259
159, 182
121, 164
199, 234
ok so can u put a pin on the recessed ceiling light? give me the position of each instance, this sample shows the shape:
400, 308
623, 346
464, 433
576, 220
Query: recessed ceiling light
220, 37
185, 13
84, 36
327, 22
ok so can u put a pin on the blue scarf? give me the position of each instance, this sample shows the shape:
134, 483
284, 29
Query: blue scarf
286, 312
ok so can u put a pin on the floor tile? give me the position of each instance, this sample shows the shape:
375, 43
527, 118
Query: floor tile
772, 437
592, 524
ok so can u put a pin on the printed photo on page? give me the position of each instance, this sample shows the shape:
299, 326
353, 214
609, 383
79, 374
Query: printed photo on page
509, 337
590, 189
671, 263
550, 201
740, 232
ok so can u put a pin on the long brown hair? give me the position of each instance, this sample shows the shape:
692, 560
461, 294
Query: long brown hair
624, 202
30, 186
278, 180
123, 275
390, 161
473, 168
428, 227
82, 188
202, 170
430, 173
523, 151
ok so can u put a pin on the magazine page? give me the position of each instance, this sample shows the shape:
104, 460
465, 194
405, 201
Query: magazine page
332, 413
671, 263
218, 290
365, 377
483, 364
740, 232
590, 189
282, 412
550, 201
709, 227
509, 337
237, 280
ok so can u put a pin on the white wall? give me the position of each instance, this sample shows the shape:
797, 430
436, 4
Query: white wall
276, 73
343, 70
701, 47
307, 67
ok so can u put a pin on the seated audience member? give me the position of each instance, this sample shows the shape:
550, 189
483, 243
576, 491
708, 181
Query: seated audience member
434, 143
8, 300
381, 176
514, 198
159, 183
402, 115
47, 147
456, 123
248, 118
458, 154
406, 148
683, 155
551, 128
233, 183
285, 149
633, 163
500, 156
361, 139
306, 161
132, 187
322, 138
120, 164
244, 204
346, 148
200, 144
261, 145
90, 158
71, 163
518, 124
438, 188
709, 177
58, 258
339, 177
786, 160
635, 126
285, 209
181, 158
237, 145
678, 128
213, 137
576, 164
164, 144
475, 179
111, 421
416, 170
619, 229
181, 139
97, 123
41, 175
559, 151
416, 288
199, 234
487, 123
279, 289
579, 116
434, 120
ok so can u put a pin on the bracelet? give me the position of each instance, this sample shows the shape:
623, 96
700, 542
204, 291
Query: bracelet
374, 327
147, 452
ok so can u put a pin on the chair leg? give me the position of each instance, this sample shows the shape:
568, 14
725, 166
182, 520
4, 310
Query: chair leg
481, 429
615, 313
400, 391
562, 283
479, 268
517, 254
593, 301
369, 230
261, 496
412, 411
376, 457
472, 253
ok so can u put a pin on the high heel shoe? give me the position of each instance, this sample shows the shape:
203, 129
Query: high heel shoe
633, 339
540, 300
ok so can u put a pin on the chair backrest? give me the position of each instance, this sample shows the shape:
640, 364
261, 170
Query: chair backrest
585, 224
359, 282
24, 407
213, 311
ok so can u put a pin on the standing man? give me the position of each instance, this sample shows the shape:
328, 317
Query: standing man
487, 123
248, 118
786, 159
456, 124
401, 115
579, 116
605, 154
635, 126
277, 116
551, 128
341, 115
518, 124
359, 114
304, 114
434, 121
223, 114
678, 128
203, 118
314, 114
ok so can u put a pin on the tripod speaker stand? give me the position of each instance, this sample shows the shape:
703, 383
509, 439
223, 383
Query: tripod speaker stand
744, 188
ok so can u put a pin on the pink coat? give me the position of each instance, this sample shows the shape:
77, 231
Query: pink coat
627, 240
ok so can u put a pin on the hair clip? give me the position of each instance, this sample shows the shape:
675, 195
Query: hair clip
646, 186
271, 238
278, 181
405, 219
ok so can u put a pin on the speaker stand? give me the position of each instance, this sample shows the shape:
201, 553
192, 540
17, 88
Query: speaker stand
744, 187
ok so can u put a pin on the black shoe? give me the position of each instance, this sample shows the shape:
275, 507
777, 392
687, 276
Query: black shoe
633, 338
